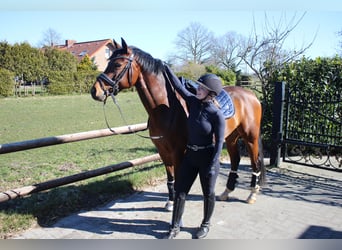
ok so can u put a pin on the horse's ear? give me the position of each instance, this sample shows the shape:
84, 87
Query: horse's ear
116, 45
124, 45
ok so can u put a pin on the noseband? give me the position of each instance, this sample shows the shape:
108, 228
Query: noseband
103, 78
114, 90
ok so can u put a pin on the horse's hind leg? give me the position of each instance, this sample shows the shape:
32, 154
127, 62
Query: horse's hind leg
257, 174
234, 154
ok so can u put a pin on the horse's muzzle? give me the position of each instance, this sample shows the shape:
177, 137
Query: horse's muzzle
94, 95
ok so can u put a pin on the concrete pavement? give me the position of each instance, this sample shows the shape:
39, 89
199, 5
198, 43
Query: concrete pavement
297, 202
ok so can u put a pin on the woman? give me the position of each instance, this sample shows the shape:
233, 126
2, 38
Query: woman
205, 126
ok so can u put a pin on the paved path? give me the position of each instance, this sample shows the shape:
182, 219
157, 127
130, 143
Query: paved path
297, 202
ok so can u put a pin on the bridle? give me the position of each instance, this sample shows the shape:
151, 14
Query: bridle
114, 82
114, 90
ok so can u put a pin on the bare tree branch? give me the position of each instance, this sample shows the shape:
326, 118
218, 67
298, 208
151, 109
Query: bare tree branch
226, 49
50, 38
194, 44
268, 51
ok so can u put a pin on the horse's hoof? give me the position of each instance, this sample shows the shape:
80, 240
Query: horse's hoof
251, 199
180, 223
169, 206
225, 195
252, 196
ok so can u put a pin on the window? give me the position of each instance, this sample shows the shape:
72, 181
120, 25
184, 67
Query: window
107, 53
83, 53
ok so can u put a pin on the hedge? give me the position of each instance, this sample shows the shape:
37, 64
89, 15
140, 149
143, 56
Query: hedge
7, 82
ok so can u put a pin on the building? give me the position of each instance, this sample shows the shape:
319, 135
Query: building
98, 51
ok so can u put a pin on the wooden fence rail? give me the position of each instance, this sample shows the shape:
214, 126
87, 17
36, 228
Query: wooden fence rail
19, 192
54, 140
60, 139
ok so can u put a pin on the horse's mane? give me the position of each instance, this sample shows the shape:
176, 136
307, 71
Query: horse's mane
145, 60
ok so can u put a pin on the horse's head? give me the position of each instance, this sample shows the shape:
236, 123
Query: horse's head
121, 73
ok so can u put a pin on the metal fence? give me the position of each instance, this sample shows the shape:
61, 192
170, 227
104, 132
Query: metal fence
313, 128
308, 126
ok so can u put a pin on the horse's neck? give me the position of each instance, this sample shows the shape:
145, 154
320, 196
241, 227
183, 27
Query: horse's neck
152, 92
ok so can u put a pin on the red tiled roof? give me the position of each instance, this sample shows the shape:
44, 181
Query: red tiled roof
79, 50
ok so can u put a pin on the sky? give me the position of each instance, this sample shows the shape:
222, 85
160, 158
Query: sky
153, 25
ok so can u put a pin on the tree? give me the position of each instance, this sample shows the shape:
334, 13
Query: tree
59, 60
6, 82
56, 68
4, 49
51, 38
226, 49
265, 55
86, 64
193, 44
191, 71
28, 63
340, 43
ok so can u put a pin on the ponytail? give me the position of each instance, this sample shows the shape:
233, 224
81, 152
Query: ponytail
213, 95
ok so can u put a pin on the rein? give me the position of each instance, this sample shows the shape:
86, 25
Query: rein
114, 90
123, 118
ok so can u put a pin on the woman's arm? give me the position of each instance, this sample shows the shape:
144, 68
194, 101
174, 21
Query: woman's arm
176, 83
219, 136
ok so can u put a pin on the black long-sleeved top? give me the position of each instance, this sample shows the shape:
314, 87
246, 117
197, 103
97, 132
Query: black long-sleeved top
205, 121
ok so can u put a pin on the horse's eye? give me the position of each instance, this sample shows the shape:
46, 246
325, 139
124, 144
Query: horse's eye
117, 65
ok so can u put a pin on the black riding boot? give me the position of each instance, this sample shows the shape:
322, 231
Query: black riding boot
208, 209
177, 213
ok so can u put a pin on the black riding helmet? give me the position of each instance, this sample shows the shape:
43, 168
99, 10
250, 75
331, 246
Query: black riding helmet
211, 82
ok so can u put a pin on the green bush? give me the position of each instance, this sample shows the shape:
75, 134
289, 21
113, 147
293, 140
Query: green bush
61, 82
228, 76
84, 80
66, 82
317, 83
6, 82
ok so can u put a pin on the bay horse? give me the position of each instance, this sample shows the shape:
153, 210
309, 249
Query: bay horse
129, 66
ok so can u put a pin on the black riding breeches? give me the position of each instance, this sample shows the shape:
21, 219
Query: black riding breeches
197, 162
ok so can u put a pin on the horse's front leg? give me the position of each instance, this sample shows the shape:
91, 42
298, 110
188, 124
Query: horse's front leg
170, 187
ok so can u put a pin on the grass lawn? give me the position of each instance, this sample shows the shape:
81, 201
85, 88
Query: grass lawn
36, 117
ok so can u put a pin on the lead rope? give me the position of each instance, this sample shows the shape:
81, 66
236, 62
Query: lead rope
125, 122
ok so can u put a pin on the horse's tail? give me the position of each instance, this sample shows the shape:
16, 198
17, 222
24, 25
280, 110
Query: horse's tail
262, 179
